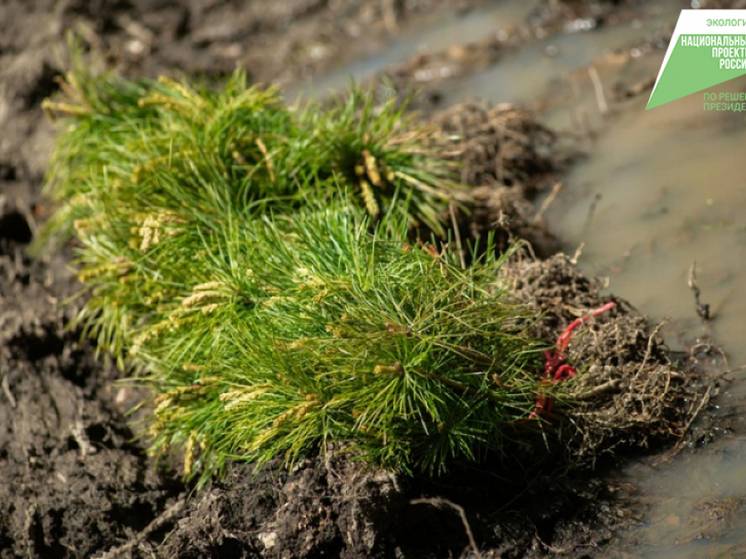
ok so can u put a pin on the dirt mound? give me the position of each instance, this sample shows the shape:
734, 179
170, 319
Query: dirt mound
500, 144
509, 158
341, 509
332, 508
630, 393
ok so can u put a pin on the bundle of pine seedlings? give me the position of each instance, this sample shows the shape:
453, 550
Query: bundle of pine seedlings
254, 266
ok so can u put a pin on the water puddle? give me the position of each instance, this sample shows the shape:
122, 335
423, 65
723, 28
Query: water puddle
537, 69
440, 32
697, 505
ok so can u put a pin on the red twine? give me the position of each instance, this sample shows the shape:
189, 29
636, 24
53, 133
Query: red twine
555, 368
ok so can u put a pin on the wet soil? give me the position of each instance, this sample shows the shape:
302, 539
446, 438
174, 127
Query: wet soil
77, 481
73, 478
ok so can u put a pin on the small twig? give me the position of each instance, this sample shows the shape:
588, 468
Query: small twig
7, 392
139, 538
457, 234
28, 525
649, 349
136, 29
548, 201
545, 545
705, 399
78, 433
577, 254
703, 309
591, 210
598, 89
609, 386
440, 502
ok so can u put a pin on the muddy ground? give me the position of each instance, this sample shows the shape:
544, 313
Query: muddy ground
76, 479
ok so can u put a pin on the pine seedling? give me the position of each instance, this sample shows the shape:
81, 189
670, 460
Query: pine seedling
233, 259
316, 330
280, 336
186, 149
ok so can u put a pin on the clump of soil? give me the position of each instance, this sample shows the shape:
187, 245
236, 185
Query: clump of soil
338, 508
509, 158
507, 214
631, 394
324, 508
501, 144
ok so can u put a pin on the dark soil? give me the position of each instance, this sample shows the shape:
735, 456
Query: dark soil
509, 158
77, 481
338, 508
74, 479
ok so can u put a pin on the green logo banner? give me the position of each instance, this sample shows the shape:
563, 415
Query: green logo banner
708, 47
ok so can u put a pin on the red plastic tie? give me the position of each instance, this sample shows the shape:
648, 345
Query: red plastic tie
555, 368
